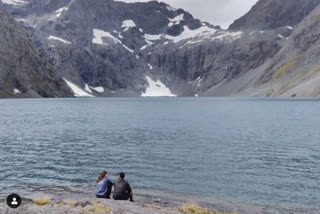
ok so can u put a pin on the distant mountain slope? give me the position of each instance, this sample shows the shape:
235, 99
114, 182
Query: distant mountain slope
23, 73
271, 14
295, 70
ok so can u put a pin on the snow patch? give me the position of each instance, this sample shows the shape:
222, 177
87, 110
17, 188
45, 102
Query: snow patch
99, 34
144, 47
157, 89
199, 79
198, 35
176, 20
16, 91
289, 27
87, 88
171, 8
150, 66
152, 37
231, 35
128, 24
98, 89
186, 34
14, 2
58, 39
128, 49
21, 20
60, 11
280, 36
149, 43
220, 35
77, 91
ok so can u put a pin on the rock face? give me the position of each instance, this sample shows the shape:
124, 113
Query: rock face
112, 48
271, 14
295, 70
23, 73
102, 44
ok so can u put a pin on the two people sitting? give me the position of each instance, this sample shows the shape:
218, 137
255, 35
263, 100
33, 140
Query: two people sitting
122, 189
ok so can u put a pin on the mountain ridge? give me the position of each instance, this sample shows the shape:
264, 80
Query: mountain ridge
152, 44
23, 72
271, 14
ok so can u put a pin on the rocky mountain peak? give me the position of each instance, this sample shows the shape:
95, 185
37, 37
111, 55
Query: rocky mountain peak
271, 14
113, 48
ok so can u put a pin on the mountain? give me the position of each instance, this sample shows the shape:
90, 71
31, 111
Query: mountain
112, 48
271, 14
294, 70
106, 45
23, 72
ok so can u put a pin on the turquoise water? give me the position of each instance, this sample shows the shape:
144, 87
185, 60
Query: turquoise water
257, 151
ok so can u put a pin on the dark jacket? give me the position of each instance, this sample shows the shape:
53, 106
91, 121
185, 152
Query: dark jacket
121, 190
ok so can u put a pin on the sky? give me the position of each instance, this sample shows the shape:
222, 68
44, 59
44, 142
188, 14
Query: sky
216, 12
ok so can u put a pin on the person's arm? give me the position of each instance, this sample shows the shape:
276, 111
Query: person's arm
129, 188
109, 183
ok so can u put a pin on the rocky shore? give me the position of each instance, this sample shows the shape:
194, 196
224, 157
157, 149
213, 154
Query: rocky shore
144, 204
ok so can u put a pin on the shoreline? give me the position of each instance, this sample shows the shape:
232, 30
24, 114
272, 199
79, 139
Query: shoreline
145, 203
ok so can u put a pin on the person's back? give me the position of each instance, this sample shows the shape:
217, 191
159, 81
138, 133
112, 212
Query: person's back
104, 186
122, 189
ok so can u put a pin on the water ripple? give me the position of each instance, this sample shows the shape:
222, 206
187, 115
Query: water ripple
263, 152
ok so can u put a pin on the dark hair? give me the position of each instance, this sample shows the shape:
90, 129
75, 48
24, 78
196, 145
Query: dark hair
101, 176
122, 175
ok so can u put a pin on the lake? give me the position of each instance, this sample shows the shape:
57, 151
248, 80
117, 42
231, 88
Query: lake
263, 152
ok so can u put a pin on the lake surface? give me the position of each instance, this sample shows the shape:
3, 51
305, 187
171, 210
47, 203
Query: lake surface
263, 152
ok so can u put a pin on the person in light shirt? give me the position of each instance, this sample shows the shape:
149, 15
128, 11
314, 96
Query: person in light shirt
104, 186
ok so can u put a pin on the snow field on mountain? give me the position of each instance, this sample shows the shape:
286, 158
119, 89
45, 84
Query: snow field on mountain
157, 89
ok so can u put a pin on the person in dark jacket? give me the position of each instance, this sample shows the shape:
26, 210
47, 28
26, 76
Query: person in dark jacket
104, 186
122, 189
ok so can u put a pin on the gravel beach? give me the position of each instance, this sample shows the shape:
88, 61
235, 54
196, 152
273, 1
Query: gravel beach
74, 203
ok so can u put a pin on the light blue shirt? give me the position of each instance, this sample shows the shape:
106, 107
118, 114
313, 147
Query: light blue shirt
102, 187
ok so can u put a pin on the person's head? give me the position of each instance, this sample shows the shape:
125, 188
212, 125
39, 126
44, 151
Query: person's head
122, 175
102, 175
